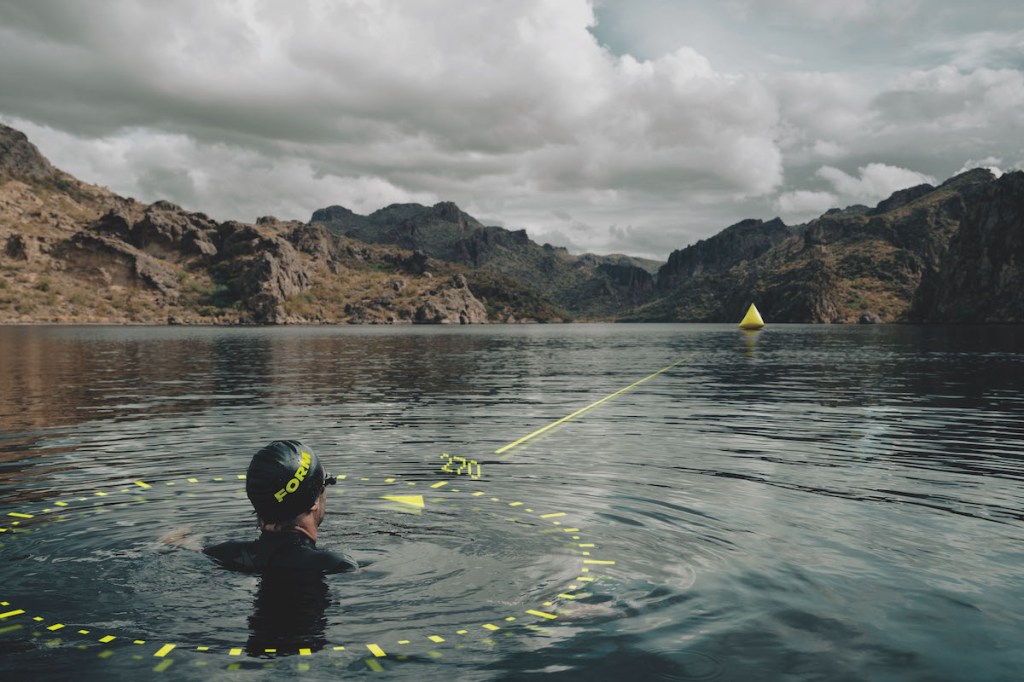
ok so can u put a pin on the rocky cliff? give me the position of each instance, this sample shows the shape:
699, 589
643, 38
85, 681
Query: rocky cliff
853, 265
981, 275
72, 252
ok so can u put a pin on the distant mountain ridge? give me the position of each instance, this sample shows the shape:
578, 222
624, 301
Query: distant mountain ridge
74, 252
587, 286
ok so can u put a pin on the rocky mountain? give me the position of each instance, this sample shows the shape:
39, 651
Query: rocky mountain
588, 286
981, 276
926, 253
73, 252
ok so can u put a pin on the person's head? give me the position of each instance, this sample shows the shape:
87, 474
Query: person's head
285, 482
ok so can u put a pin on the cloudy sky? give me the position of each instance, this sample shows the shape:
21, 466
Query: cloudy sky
632, 126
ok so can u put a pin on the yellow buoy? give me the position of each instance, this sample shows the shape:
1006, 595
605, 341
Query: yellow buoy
752, 320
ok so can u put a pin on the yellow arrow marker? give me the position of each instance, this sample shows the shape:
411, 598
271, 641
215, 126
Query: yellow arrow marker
411, 500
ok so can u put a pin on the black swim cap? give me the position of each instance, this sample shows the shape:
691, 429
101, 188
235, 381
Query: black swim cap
284, 480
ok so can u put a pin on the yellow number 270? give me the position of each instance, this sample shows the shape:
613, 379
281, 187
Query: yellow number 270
468, 467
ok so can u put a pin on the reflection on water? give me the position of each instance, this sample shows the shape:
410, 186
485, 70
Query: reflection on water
288, 614
806, 502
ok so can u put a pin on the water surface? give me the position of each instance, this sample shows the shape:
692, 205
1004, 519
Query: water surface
807, 502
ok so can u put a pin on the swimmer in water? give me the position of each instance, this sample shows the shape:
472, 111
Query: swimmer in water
287, 486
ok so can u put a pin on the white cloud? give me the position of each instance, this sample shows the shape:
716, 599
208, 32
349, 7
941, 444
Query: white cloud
514, 111
876, 181
802, 204
992, 163
828, 150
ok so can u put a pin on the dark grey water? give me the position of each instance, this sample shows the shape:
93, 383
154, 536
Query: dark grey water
806, 503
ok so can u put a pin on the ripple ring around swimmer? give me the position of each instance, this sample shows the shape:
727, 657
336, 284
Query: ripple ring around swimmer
16, 523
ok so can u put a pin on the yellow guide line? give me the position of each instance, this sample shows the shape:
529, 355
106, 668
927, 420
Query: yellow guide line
584, 409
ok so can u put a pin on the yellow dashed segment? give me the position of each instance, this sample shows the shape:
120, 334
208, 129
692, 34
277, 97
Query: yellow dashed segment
164, 650
193, 480
20, 516
55, 627
337, 648
439, 484
587, 544
566, 596
305, 652
403, 641
376, 650
202, 648
553, 515
435, 638
237, 651
108, 638
143, 485
15, 612
489, 626
139, 641
599, 561
541, 614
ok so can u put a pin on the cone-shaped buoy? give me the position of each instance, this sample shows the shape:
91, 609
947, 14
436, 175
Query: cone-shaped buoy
752, 320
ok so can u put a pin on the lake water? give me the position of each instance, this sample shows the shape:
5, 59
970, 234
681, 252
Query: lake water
804, 503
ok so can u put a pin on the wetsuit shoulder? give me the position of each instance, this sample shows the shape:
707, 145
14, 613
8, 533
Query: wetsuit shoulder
337, 563
238, 556
306, 556
279, 552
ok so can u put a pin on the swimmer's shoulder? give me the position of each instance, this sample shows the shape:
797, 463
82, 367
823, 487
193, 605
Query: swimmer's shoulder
335, 562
